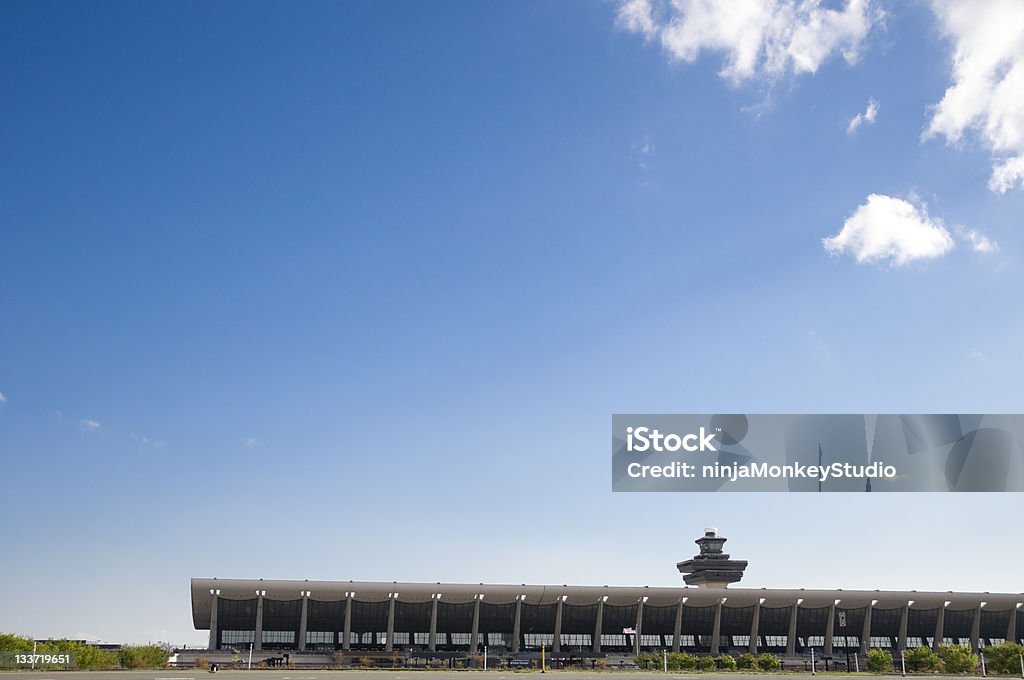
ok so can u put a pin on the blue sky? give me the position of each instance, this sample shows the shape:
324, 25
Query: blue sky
351, 290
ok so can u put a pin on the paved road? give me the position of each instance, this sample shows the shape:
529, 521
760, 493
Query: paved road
192, 674
269, 674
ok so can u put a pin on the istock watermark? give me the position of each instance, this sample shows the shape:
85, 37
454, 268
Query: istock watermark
817, 452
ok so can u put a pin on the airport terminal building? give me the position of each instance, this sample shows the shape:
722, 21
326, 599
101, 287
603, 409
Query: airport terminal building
441, 620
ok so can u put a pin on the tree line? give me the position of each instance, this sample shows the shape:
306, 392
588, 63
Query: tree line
87, 657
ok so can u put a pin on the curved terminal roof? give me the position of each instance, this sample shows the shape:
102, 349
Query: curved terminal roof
376, 591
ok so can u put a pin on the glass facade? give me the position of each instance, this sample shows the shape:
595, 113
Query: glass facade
319, 639
325, 617
281, 623
236, 637
885, 625
994, 625
578, 619
957, 626
498, 618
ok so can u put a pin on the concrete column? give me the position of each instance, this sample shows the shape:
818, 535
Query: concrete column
346, 644
830, 629
754, 626
639, 626
597, 627
474, 635
556, 640
677, 631
389, 641
432, 639
716, 629
940, 623
257, 636
214, 638
976, 629
791, 637
515, 625
901, 641
865, 636
1011, 626
303, 615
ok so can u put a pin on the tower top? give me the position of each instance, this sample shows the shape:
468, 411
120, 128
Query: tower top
712, 568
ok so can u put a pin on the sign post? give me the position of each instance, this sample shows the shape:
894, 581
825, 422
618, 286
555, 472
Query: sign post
846, 641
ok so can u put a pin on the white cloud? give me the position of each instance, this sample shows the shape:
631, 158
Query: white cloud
3, 399
986, 96
868, 116
250, 443
979, 242
890, 228
643, 153
759, 38
1006, 173
90, 425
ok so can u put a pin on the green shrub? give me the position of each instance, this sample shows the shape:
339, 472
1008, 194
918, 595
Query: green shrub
879, 660
921, 660
706, 663
87, 657
681, 661
726, 663
746, 661
143, 656
768, 662
1004, 658
957, 659
14, 644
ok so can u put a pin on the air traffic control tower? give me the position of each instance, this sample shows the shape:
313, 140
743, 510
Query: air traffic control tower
712, 568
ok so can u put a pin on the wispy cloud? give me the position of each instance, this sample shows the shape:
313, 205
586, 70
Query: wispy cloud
3, 399
986, 95
979, 242
893, 229
868, 116
643, 153
90, 425
250, 443
758, 38
144, 440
